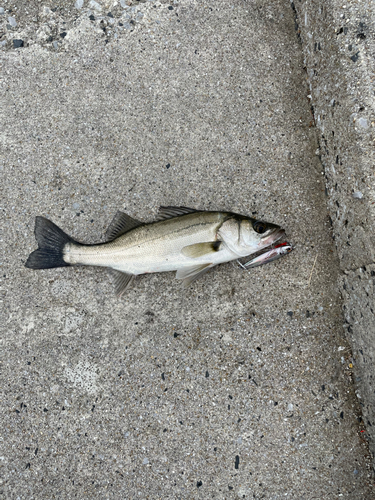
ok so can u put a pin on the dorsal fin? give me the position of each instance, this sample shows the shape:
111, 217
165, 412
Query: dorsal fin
121, 224
170, 212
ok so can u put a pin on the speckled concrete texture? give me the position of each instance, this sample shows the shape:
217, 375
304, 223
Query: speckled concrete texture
339, 50
240, 386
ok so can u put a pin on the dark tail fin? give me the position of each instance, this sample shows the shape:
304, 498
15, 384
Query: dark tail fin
51, 240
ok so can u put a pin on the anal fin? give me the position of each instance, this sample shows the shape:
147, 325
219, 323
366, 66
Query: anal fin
121, 280
192, 273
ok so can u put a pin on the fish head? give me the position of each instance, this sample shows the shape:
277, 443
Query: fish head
257, 234
245, 235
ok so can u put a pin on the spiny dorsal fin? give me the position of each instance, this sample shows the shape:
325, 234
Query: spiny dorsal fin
192, 273
170, 212
121, 224
121, 281
200, 249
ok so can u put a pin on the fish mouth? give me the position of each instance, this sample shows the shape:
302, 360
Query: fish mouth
272, 238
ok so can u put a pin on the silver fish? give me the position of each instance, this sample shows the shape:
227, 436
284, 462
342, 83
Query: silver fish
182, 239
269, 256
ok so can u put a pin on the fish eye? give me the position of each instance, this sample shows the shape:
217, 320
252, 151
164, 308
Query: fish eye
259, 227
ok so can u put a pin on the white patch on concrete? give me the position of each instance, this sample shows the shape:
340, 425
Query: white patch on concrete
227, 337
61, 287
29, 324
363, 122
95, 5
73, 320
244, 492
358, 194
12, 21
83, 376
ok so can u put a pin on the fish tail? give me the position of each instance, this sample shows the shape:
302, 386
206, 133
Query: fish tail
51, 240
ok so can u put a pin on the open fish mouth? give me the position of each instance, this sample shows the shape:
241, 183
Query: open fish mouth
265, 245
272, 238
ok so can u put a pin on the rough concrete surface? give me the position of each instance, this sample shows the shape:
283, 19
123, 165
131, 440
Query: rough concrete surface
339, 51
239, 387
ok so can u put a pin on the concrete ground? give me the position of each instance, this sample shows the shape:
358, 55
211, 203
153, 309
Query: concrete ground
239, 387
338, 41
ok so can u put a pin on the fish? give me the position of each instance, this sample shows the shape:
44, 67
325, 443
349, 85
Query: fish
275, 253
181, 239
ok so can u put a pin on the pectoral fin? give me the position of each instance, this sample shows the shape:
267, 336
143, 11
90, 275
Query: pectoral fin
192, 273
121, 281
200, 249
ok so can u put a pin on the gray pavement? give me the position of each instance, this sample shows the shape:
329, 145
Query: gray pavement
339, 53
240, 386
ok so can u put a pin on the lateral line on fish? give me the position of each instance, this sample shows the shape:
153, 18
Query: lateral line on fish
113, 251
